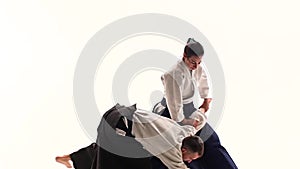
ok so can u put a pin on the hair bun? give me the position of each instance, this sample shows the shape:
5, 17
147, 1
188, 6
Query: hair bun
191, 40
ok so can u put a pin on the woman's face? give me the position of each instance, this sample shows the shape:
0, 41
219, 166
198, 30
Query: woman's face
192, 62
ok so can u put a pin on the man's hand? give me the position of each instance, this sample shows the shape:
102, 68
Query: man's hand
205, 104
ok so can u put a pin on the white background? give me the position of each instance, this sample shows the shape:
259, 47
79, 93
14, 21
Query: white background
257, 43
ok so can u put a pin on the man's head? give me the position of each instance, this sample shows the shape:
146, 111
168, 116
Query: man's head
193, 52
192, 148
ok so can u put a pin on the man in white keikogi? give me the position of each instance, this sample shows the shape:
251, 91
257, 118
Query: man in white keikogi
162, 137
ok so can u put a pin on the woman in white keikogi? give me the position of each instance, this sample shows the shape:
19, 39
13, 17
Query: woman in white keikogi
181, 83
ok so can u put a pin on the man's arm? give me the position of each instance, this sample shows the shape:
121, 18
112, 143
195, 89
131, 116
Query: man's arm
161, 136
173, 158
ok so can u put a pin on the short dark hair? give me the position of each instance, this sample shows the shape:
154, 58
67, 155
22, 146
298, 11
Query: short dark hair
193, 48
193, 144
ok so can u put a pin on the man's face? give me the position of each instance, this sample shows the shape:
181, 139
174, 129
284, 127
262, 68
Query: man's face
192, 62
189, 156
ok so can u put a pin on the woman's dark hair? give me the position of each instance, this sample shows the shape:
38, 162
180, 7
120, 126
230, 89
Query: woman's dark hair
193, 48
193, 144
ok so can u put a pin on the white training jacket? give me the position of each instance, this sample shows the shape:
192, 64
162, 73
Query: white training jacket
162, 136
180, 86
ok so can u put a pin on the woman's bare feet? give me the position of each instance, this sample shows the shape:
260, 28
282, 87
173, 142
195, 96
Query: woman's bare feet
65, 160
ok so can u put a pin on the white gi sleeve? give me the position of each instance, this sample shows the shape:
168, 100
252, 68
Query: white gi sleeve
200, 116
161, 136
173, 158
202, 83
173, 93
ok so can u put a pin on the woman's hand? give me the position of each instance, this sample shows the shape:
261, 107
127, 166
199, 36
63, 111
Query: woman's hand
196, 123
192, 122
205, 104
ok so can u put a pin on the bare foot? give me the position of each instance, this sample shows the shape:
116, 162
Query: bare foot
65, 160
